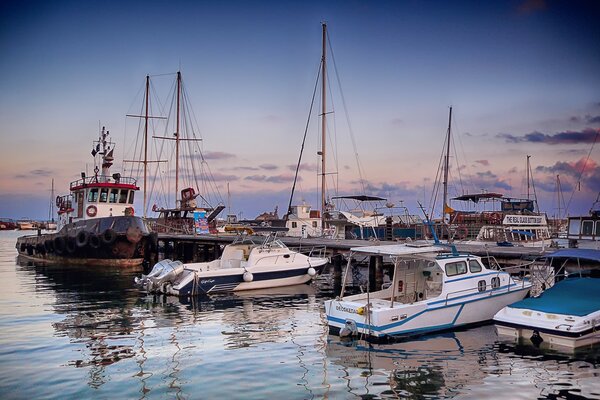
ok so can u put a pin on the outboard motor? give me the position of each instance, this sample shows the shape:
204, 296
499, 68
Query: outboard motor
350, 329
162, 272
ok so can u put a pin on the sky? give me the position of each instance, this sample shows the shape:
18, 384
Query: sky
522, 78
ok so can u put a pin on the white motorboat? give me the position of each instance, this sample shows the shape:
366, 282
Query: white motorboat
429, 291
565, 315
244, 265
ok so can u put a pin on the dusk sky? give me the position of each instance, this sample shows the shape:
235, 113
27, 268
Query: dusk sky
523, 78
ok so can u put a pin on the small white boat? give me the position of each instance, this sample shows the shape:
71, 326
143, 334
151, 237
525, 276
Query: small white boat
429, 292
565, 315
244, 265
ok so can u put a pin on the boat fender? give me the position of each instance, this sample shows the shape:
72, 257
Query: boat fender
82, 238
536, 338
349, 329
109, 236
91, 211
49, 245
311, 272
94, 241
59, 244
71, 245
360, 310
248, 277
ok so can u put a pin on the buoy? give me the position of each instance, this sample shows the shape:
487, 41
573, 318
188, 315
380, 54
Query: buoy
311, 271
248, 277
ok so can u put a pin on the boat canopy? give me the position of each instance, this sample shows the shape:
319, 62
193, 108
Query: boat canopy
582, 254
398, 250
475, 198
360, 198
574, 296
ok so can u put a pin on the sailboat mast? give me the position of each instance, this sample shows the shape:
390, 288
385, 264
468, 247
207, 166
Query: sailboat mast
446, 167
323, 123
146, 142
51, 216
177, 139
528, 156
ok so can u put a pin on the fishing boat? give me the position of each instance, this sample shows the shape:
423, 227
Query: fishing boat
244, 265
430, 290
96, 222
567, 314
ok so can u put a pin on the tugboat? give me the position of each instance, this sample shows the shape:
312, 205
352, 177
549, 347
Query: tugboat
96, 221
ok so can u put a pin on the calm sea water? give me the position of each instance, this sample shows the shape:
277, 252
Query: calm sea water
69, 332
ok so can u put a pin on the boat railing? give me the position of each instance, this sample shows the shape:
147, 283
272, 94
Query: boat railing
489, 289
92, 180
312, 251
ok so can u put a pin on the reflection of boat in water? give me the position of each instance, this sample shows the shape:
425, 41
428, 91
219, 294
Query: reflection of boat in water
434, 366
96, 222
244, 265
565, 315
429, 292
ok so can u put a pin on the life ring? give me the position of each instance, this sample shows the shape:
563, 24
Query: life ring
109, 236
91, 211
461, 232
82, 238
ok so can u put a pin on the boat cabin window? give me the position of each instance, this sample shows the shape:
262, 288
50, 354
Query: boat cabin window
481, 286
123, 196
597, 228
456, 268
474, 266
587, 227
314, 224
103, 195
495, 282
114, 194
294, 225
131, 193
93, 196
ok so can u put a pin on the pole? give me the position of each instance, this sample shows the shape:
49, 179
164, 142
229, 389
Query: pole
323, 125
528, 156
446, 167
146, 143
177, 139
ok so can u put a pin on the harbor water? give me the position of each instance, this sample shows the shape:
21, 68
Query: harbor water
73, 332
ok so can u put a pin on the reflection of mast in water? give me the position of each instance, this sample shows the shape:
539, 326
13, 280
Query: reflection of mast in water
142, 360
174, 384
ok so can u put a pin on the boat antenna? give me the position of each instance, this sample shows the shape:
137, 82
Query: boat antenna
312, 102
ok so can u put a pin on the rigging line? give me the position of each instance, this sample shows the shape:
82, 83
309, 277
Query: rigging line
438, 177
332, 140
533, 186
583, 169
360, 172
455, 136
312, 102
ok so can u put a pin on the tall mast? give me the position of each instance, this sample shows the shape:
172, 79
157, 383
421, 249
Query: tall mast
446, 167
146, 142
51, 216
323, 123
177, 139
528, 156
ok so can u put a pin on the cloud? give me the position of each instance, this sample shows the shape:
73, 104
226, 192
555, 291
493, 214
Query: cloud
219, 177
218, 155
397, 121
593, 120
268, 167
568, 137
587, 172
303, 167
242, 168
531, 6
272, 179
35, 173
488, 180
485, 163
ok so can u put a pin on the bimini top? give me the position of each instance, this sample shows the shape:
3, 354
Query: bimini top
360, 198
574, 296
398, 249
582, 254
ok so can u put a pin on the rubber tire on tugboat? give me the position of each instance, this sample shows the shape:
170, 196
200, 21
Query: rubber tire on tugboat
95, 241
60, 245
71, 245
49, 245
109, 236
82, 238
23, 247
29, 250
40, 249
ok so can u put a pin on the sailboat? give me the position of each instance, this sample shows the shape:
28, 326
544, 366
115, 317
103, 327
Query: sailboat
191, 211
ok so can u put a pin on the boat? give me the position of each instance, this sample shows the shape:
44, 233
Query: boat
243, 265
7, 224
96, 222
565, 315
584, 231
26, 225
431, 290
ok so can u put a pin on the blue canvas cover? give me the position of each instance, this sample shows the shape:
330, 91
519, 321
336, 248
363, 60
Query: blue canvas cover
582, 254
574, 296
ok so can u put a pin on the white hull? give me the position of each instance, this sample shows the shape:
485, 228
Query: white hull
550, 340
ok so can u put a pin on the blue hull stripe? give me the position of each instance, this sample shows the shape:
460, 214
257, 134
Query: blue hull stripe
379, 330
498, 273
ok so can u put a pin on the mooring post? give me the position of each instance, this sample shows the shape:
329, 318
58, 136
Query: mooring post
378, 271
372, 273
